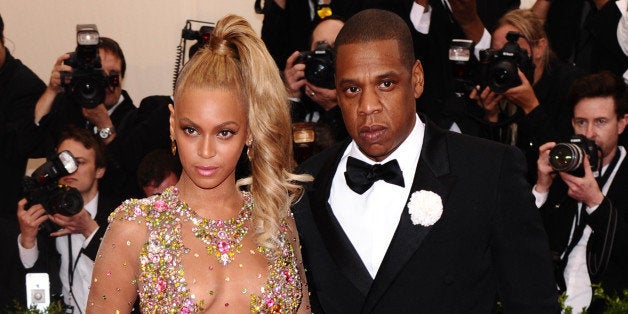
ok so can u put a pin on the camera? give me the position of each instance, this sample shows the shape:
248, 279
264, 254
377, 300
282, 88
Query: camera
88, 83
498, 68
569, 157
319, 65
42, 186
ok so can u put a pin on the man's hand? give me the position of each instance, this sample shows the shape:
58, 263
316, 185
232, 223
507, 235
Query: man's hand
326, 98
585, 189
545, 172
523, 95
466, 15
294, 76
55, 83
29, 220
487, 100
81, 223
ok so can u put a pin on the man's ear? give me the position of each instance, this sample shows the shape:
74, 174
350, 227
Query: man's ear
621, 123
100, 172
417, 79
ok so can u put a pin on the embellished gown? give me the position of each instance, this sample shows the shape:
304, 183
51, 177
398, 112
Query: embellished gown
179, 273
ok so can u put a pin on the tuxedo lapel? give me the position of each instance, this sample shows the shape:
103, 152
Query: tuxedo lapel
432, 174
336, 241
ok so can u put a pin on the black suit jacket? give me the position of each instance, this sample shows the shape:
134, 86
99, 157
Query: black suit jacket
607, 258
489, 240
563, 26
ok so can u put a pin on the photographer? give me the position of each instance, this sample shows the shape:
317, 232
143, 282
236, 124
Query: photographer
315, 100
534, 111
79, 236
585, 216
19, 90
109, 121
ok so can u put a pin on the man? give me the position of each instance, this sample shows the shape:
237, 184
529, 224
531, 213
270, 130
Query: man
584, 32
585, 217
158, 170
470, 234
316, 102
78, 239
109, 121
19, 90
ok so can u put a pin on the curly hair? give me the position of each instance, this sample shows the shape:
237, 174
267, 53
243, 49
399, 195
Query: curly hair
236, 58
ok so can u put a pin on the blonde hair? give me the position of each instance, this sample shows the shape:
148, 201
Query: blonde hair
237, 59
530, 25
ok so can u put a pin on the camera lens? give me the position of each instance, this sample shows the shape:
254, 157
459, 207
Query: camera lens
66, 201
566, 157
503, 76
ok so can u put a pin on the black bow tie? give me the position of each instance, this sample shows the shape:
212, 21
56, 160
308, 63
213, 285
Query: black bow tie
360, 176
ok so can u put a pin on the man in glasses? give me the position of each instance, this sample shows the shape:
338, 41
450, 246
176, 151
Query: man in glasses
109, 121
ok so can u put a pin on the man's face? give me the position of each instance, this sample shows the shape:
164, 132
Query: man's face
84, 179
158, 187
596, 119
376, 93
326, 31
111, 64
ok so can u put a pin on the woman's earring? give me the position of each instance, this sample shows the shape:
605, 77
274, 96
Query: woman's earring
249, 146
173, 147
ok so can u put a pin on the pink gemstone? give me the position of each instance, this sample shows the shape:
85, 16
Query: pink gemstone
270, 302
219, 223
222, 234
223, 246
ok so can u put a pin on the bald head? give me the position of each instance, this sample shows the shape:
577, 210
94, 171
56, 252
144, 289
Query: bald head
375, 25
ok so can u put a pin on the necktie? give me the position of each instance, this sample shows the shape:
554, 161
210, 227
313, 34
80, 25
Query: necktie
360, 176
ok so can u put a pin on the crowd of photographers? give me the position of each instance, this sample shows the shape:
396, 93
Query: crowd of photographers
559, 98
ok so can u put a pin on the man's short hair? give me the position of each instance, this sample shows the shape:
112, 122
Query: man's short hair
83, 136
112, 46
375, 25
602, 84
156, 166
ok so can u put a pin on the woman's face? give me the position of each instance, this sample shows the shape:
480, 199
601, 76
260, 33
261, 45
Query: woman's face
210, 128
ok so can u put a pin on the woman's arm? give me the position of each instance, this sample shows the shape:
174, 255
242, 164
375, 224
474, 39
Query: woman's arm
114, 280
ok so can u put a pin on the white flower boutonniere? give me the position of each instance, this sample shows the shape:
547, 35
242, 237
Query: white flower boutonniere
425, 208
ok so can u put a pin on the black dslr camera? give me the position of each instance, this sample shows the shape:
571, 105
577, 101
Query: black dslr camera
498, 68
88, 83
42, 187
319, 65
569, 157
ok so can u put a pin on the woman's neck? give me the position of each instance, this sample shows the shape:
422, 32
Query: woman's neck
221, 202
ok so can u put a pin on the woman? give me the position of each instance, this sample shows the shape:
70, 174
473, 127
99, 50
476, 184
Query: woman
204, 245
540, 98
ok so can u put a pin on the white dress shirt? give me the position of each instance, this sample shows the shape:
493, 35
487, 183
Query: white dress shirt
82, 269
421, 19
622, 30
576, 274
370, 220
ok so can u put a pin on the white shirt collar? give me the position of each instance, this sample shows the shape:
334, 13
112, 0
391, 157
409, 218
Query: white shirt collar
120, 100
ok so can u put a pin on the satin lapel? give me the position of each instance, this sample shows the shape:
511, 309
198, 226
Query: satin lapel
432, 174
338, 244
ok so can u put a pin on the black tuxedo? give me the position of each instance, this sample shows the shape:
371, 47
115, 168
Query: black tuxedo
607, 259
488, 241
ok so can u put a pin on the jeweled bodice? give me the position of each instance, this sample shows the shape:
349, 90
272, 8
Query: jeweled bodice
162, 285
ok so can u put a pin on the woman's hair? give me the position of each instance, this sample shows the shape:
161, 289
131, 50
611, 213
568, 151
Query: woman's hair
237, 59
530, 26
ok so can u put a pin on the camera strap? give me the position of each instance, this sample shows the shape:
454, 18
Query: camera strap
601, 180
71, 269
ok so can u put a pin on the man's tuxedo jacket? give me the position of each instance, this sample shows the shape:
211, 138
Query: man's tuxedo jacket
607, 257
489, 242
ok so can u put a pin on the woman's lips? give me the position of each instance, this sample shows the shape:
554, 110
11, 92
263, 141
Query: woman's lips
206, 171
372, 133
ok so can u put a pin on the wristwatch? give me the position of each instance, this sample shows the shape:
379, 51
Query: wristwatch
104, 133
